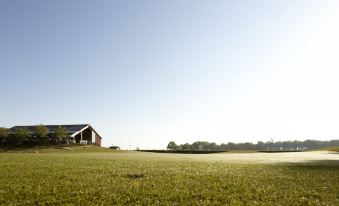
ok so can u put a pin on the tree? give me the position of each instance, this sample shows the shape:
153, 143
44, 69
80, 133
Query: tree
212, 146
196, 146
41, 131
172, 146
231, 146
21, 133
185, 146
3, 133
61, 133
260, 145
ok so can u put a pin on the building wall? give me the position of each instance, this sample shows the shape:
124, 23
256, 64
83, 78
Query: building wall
97, 141
88, 134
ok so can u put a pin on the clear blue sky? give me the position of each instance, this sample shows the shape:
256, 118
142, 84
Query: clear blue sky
147, 72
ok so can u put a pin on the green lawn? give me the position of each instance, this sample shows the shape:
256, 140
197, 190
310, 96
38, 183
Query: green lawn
334, 149
105, 177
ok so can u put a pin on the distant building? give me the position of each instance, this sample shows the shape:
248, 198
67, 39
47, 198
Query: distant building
77, 133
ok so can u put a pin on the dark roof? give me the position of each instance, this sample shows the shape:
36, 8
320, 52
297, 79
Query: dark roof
71, 128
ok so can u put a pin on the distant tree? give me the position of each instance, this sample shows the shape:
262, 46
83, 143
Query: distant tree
186, 146
223, 146
41, 131
3, 133
172, 146
232, 146
260, 145
197, 146
212, 146
247, 145
269, 145
21, 134
61, 133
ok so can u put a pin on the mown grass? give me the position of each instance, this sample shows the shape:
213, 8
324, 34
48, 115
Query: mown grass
333, 149
135, 178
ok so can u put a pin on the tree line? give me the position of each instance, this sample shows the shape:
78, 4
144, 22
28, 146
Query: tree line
260, 146
22, 136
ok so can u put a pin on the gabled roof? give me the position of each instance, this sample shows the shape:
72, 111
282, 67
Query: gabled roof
71, 128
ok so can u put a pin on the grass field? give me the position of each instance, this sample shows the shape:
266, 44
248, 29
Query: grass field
91, 176
335, 149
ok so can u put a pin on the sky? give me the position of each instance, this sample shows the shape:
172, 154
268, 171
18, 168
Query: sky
144, 73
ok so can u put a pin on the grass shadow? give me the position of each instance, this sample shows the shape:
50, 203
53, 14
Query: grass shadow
314, 165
